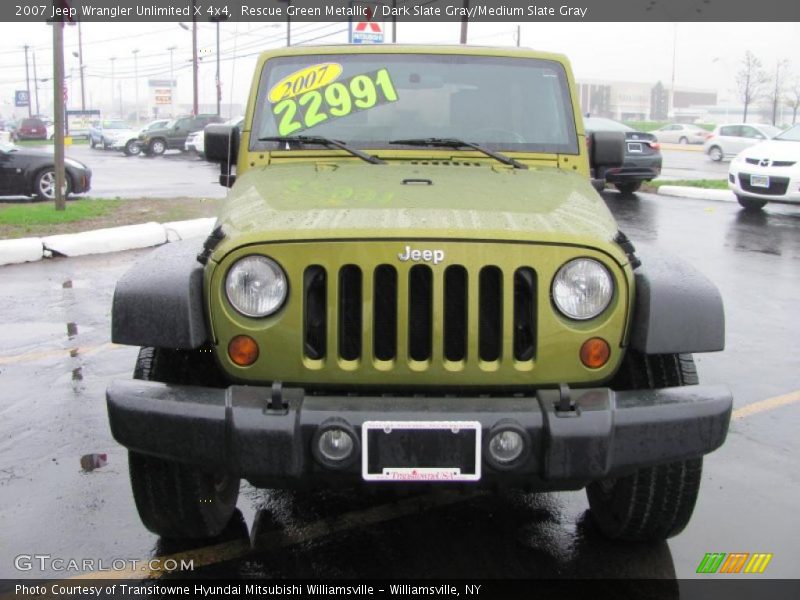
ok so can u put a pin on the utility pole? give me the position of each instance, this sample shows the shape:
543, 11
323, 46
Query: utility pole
80, 59
671, 111
136, 80
194, 61
218, 82
58, 108
171, 49
28, 81
35, 84
288, 23
394, 21
519, 35
464, 20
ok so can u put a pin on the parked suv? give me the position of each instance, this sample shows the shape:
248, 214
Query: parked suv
412, 281
31, 128
726, 141
173, 135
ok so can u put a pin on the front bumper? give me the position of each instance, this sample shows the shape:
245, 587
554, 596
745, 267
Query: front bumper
784, 183
607, 434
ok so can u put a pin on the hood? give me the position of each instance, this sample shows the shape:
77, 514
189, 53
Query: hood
774, 150
451, 199
121, 132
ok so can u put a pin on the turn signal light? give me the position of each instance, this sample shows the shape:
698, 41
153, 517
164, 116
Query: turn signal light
595, 352
243, 350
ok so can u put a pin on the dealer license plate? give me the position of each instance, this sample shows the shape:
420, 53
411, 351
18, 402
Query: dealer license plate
634, 147
427, 451
761, 181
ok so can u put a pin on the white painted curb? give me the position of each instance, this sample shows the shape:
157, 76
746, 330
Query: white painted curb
113, 239
697, 193
183, 230
99, 241
20, 251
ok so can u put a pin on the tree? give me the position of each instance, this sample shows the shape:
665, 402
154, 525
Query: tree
777, 91
792, 98
750, 81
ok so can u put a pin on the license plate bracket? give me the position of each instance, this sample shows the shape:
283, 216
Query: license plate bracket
759, 181
421, 451
635, 147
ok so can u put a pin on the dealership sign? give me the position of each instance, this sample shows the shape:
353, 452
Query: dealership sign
22, 98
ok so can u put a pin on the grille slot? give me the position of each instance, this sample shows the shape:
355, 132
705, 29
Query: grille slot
490, 313
777, 185
385, 312
350, 302
314, 320
455, 313
524, 314
420, 312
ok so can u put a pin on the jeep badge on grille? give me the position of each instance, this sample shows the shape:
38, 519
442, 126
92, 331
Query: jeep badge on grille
434, 256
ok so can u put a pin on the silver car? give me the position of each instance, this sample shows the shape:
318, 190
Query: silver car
681, 133
728, 140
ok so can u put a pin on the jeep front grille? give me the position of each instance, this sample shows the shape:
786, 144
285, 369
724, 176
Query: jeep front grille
407, 310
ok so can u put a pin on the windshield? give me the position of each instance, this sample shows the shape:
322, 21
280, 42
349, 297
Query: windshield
790, 135
770, 131
368, 99
115, 125
599, 124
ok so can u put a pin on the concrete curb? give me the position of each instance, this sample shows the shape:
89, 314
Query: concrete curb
99, 241
697, 193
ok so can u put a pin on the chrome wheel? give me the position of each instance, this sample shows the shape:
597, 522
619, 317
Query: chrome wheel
45, 187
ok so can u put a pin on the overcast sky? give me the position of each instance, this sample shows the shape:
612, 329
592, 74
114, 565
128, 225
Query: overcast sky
707, 55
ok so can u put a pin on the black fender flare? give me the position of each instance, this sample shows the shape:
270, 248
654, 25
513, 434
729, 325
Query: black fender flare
159, 301
677, 309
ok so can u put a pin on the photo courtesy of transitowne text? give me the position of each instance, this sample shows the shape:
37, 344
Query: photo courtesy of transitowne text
399, 298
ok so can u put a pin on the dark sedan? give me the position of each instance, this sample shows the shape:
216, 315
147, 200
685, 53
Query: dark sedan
25, 172
642, 156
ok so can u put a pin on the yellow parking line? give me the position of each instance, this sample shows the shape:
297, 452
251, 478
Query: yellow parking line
768, 404
36, 356
210, 555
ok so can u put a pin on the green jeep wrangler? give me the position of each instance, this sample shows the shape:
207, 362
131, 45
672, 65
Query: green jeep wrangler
413, 282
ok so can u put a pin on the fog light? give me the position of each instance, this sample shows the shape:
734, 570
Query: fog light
243, 350
335, 445
595, 352
506, 446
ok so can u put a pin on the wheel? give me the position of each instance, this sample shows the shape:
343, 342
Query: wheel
683, 140
157, 147
44, 184
92, 143
132, 148
106, 145
653, 503
715, 153
628, 188
177, 500
751, 203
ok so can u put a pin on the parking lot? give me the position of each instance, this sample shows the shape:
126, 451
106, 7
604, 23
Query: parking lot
56, 360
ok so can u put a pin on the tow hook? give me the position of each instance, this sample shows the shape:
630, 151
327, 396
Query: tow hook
565, 407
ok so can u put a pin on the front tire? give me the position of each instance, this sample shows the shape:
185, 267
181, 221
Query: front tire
44, 185
652, 503
683, 141
177, 500
715, 153
751, 203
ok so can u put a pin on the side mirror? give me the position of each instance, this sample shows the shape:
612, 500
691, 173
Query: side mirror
607, 149
222, 146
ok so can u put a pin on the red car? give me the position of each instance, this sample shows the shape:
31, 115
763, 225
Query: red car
32, 129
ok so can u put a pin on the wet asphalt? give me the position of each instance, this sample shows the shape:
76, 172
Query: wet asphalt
56, 360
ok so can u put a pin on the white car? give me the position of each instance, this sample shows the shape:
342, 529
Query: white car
681, 133
727, 141
196, 142
768, 172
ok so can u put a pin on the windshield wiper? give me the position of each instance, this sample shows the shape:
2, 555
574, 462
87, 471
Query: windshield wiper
456, 143
323, 141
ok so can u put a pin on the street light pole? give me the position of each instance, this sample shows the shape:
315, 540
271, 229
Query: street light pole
35, 84
112, 59
194, 61
80, 59
171, 82
136, 79
219, 83
28, 81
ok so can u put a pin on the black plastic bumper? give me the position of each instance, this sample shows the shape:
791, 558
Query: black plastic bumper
233, 429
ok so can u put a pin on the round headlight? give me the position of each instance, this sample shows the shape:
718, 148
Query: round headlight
582, 289
256, 286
